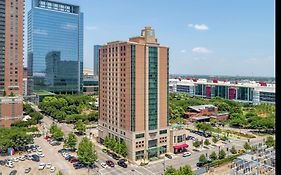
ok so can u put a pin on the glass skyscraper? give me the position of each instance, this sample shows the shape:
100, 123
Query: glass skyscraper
96, 59
55, 47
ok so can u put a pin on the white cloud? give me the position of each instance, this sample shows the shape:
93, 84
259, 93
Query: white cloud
91, 28
201, 50
183, 51
200, 27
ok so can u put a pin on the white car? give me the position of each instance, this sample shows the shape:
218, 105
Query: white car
10, 164
48, 165
186, 154
15, 159
103, 165
40, 154
52, 169
41, 166
39, 149
22, 158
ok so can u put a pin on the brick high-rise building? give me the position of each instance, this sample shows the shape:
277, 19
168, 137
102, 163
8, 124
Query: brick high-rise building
11, 60
133, 94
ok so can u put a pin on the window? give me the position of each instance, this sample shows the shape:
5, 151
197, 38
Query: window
152, 143
139, 135
163, 131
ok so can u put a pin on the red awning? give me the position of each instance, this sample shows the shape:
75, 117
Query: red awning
181, 146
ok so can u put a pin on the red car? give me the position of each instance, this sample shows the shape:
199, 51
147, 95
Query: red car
110, 163
74, 160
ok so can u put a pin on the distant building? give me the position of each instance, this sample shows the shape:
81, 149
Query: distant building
88, 72
55, 47
246, 92
11, 61
90, 85
133, 95
96, 59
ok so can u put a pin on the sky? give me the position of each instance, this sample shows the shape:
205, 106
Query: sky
205, 37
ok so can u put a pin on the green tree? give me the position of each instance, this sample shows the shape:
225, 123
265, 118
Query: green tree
71, 141
207, 142
170, 171
233, 150
247, 146
196, 144
215, 139
58, 134
203, 158
221, 154
86, 152
106, 142
80, 126
124, 148
213, 156
185, 170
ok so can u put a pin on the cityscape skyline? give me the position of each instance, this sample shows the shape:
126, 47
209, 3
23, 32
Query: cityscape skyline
204, 33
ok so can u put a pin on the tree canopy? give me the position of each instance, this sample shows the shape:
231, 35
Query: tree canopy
86, 152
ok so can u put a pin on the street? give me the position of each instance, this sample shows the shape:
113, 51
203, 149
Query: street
154, 167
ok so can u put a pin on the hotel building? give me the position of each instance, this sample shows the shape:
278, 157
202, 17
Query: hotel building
11, 61
133, 94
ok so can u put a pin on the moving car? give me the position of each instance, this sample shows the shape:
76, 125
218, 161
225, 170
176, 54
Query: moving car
122, 164
27, 170
110, 163
168, 156
186, 154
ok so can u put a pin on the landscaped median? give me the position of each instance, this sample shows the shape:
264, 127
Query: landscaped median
217, 163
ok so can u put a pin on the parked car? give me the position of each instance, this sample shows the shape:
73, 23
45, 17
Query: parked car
41, 166
40, 154
115, 156
168, 156
35, 158
22, 158
10, 164
186, 154
78, 165
39, 149
2, 162
73, 160
200, 164
15, 159
13, 172
52, 169
27, 170
55, 143
122, 164
69, 157
48, 165
103, 165
110, 163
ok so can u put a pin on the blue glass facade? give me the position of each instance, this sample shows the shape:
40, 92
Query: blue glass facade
55, 47
96, 59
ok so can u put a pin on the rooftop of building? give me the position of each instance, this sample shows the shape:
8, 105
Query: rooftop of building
56, 6
258, 86
201, 107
